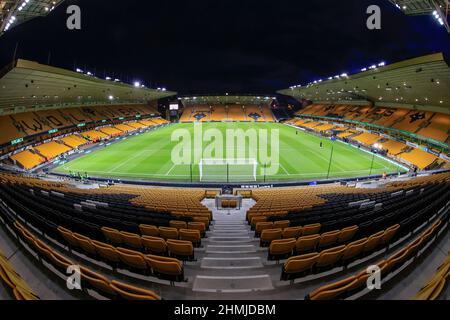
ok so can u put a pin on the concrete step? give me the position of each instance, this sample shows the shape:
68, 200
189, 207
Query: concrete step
237, 234
230, 238
230, 249
230, 242
229, 224
236, 284
239, 226
232, 263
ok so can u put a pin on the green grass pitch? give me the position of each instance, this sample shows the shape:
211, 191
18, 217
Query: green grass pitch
148, 157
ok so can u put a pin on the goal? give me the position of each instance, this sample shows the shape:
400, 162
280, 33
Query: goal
228, 170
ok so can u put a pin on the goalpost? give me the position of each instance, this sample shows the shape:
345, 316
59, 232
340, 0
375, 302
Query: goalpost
218, 170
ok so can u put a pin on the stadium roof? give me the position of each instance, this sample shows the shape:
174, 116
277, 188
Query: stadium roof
16, 12
30, 86
227, 99
418, 7
422, 81
438, 8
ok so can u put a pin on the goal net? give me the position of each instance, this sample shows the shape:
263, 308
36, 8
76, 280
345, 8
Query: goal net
228, 170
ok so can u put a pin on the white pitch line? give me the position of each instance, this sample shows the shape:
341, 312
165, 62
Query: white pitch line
121, 164
173, 167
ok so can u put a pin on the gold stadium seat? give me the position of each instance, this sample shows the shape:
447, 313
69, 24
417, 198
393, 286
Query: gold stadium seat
200, 226
292, 232
307, 243
43, 250
432, 291
106, 251
360, 281
268, 235
281, 224
354, 249
169, 268
389, 234
181, 249
148, 230
97, 282
112, 235
254, 220
430, 231
4, 277
154, 245
27, 236
59, 261
374, 241
133, 259
131, 240
397, 259
190, 235
330, 257
414, 247
434, 287
334, 290
385, 267
260, 226
168, 233
281, 248
311, 229
211, 194
13, 279
178, 224
298, 265
205, 220
327, 239
85, 244
129, 292
24, 295
347, 234
69, 237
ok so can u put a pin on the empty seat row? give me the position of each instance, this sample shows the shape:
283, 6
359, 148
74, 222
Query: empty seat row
309, 234
279, 249
436, 285
229, 204
90, 279
195, 225
358, 282
183, 250
316, 262
19, 288
194, 235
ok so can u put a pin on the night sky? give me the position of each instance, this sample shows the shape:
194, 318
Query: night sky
218, 46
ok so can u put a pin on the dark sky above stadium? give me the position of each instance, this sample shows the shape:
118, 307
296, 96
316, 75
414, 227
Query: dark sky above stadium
218, 46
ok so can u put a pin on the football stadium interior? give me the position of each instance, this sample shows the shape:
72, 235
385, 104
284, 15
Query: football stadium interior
356, 178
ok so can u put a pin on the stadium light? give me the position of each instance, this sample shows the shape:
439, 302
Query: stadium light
438, 17
137, 84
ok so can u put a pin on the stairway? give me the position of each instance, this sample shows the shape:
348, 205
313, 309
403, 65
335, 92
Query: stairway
233, 261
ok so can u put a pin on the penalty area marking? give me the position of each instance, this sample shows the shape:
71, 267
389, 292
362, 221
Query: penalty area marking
170, 170
284, 169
